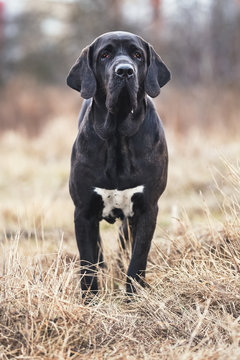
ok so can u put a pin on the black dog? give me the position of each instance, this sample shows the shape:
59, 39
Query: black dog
119, 159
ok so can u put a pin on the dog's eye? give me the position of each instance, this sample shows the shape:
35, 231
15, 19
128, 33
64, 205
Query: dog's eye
105, 55
137, 55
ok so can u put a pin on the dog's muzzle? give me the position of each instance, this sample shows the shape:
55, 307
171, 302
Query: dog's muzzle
124, 71
122, 86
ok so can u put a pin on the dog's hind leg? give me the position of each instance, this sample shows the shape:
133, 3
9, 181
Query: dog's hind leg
99, 253
124, 234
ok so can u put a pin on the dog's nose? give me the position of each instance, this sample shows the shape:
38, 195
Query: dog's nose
124, 70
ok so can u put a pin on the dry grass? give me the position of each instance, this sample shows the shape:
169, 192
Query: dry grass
191, 307
190, 310
27, 107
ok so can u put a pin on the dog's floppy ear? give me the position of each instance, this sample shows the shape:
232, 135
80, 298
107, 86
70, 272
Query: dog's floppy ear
157, 73
81, 76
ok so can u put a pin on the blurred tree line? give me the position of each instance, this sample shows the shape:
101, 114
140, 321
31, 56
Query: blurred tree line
199, 41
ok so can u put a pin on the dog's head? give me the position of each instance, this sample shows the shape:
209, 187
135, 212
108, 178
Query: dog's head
118, 66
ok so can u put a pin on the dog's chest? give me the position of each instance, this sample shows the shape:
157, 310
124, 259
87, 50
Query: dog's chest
118, 199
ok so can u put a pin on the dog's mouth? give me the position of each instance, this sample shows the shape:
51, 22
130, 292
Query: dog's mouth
122, 96
126, 100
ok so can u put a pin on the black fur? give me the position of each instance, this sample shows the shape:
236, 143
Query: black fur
120, 145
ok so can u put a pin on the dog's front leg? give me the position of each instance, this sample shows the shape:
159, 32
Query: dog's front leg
144, 229
87, 235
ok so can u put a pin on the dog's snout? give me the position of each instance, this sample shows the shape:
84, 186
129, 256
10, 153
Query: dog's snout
124, 70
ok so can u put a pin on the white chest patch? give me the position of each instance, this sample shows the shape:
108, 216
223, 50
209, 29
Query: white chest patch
118, 199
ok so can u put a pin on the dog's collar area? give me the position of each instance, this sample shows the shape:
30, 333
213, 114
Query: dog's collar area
114, 200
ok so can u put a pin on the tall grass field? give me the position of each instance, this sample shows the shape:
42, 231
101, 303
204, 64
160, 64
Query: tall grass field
190, 308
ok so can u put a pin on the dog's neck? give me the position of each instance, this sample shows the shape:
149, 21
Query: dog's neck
124, 123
